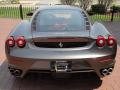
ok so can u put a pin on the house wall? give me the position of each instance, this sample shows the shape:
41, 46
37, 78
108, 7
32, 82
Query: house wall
40, 2
117, 2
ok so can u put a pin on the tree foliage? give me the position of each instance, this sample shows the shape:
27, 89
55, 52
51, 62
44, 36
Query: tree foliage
68, 2
84, 3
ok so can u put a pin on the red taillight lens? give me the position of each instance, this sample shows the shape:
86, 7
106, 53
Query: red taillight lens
10, 41
100, 41
111, 41
21, 42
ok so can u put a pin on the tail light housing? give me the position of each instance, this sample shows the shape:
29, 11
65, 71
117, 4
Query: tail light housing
10, 41
100, 41
111, 41
21, 42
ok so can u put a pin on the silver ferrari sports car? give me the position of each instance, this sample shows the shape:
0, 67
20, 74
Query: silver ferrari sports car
60, 39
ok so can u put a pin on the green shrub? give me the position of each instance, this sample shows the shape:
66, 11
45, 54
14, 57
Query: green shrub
90, 12
98, 8
115, 8
14, 1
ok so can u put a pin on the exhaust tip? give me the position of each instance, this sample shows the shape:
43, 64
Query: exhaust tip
17, 72
110, 70
104, 72
12, 70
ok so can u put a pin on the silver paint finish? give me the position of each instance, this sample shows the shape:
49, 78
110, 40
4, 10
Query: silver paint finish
32, 57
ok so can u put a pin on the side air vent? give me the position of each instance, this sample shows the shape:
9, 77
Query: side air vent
34, 22
86, 21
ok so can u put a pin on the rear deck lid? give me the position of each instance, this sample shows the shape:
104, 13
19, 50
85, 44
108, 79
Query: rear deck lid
60, 36
60, 40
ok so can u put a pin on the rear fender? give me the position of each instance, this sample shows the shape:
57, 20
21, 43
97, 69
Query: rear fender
99, 29
22, 29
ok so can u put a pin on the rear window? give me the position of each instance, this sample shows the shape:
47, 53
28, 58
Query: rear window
60, 20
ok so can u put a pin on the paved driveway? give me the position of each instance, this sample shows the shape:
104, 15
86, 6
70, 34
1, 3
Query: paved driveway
46, 82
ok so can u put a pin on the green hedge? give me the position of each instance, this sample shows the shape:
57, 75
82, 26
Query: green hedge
98, 8
14, 1
115, 8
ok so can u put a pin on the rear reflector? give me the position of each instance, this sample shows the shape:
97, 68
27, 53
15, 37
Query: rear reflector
21, 42
10, 41
105, 60
111, 41
100, 41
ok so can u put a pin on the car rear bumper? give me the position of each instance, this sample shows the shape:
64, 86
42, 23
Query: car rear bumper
86, 59
78, 65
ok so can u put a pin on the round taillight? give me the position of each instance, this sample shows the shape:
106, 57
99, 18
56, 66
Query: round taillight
10, 41
111, 41
21, 42
100, 41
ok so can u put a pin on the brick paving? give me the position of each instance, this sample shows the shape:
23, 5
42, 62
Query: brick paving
45, 82
6, 26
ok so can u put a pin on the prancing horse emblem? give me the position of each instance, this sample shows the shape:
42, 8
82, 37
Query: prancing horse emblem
61, 44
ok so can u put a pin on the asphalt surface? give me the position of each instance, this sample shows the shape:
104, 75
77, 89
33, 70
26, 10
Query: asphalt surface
45, 81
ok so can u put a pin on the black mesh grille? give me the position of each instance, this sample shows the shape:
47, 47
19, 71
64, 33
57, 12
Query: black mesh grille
60, 44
